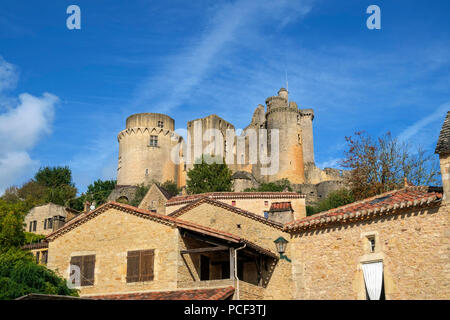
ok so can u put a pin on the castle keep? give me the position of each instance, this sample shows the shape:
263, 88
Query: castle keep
148, 144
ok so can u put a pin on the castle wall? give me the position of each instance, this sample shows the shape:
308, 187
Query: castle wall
140, 161
305, 119
284, 118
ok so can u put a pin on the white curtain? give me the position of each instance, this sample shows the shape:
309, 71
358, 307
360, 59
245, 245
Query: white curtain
373, 277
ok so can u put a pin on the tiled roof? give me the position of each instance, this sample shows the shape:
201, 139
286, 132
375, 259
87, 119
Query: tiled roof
81, 218
165, 193
171, 221
32, 246
234, 195
220, 204
384, 204
280, 206
193, 294
443, 144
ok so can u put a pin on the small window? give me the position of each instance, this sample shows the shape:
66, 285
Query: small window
44, 257
34, 225
233, 203
50, 223
266, 214
372, 243
37, 257
266, 203
146, 172
31, 226
161, 124
140, 265
45, 224
153, 141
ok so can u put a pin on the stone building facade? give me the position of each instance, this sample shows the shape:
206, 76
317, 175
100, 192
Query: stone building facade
47, 218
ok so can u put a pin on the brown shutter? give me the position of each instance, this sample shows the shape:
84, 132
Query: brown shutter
87, 270
147, 263
133, 266
76, 261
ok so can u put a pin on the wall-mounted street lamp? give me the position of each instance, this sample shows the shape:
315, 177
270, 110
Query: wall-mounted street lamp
281, 244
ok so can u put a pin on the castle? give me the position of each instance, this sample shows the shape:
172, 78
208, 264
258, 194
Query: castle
149, 143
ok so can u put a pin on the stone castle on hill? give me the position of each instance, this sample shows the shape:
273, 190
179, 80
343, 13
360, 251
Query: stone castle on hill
147, 144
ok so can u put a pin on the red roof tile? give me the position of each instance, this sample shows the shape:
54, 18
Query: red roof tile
385, 203
280, 206
234, 195
194, 294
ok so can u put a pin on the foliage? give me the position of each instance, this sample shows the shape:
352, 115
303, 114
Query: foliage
97, 192
334, 199
277, 186
382, 165
141, 191
33, 237
54, 177
20, 275
11, 224
208, 176
171, 187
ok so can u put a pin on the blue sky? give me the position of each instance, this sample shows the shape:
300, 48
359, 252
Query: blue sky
65, 94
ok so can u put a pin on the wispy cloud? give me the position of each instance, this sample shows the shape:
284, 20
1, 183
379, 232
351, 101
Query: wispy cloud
185, 71
21, 127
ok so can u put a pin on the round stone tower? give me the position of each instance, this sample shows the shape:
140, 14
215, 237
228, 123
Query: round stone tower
145, 150
285, 117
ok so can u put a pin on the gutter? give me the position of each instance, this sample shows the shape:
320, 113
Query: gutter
235, 270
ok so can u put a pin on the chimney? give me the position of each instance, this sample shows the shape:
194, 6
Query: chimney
443, 150
87, 206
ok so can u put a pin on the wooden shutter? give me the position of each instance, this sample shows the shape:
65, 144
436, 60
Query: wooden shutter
146, 265
76, 261
133, 266
88, 270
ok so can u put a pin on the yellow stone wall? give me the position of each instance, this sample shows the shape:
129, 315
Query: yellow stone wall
280, 283
109, 236
256, 206
413, 246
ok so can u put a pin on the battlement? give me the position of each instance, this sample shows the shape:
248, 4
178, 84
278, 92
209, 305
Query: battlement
150, 120
307, 113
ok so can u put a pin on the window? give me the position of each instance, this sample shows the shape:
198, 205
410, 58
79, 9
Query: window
34, 225
146, 172
160, 124
153, 141
44, 257
266, 203
233, 203
31, 226
266, 214
204, 267
373, 279
87, 268
50, 223
45, 224
372, 243
37, 257
140, 265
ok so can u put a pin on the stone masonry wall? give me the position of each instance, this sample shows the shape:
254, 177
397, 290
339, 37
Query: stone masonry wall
413, 246
110, 236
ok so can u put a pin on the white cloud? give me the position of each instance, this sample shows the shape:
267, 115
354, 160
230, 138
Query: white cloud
21, 127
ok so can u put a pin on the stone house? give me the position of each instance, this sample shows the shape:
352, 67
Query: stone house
47, 218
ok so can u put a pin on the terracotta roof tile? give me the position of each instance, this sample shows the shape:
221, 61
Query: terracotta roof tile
234, 195
280, 206
385, 203
193, 294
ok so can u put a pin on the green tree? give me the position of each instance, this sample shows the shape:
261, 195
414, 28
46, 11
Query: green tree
54, 176
334, 199
20, 275
208, 176
141, 191
171, 187
97, 192
11, 224
277, 186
